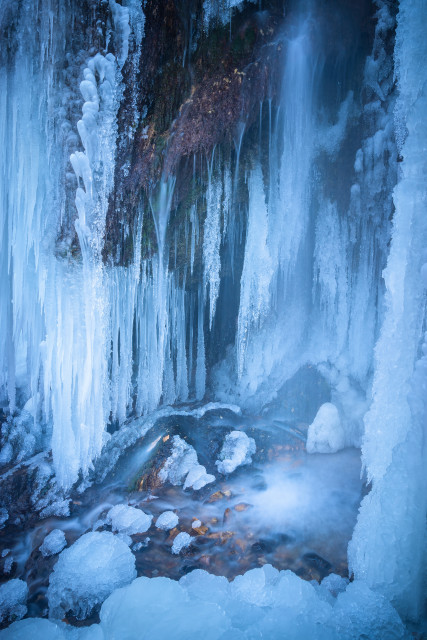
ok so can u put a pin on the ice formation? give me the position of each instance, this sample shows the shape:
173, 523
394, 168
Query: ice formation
328, 275
87, 572
325, 433
13, 599
389, 557
181, 541
182, 467
263, 603
53, 543
128, 520
220, 11
167, 520
237, 449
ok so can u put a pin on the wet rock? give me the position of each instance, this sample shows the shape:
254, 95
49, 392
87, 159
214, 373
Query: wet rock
318, 563
242, 506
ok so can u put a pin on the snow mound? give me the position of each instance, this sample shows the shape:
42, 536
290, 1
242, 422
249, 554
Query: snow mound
87, 572
238, 449
13, 598
167, 520
181, 541
128, 520
53, 543
182, 467
326, 434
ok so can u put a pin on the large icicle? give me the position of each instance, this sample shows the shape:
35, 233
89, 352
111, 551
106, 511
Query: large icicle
212, 241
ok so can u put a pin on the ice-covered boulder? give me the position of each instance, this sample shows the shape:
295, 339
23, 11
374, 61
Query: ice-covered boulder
326, 433
197, 478
53, 543
13, 598
167, 520
162, 608
182, 467
181, 541
128, 520
87, 572
238, 449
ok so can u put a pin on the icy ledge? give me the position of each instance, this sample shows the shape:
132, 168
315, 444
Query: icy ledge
263, 603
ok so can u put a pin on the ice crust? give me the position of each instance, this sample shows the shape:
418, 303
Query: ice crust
87, 572
128, 520
53, 543
182, 467
13, 598
325, 433
237, 450
167, 520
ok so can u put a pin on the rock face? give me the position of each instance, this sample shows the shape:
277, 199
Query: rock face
194, 85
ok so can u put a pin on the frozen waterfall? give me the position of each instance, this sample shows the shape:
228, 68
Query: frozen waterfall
292, 253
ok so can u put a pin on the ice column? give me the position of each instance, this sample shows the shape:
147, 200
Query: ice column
391, 555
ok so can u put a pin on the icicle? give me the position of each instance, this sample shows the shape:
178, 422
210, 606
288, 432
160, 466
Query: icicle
212, 240
257, 269
200, 363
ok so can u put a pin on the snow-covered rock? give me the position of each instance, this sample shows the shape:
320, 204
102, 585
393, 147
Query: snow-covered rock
197, 478
181, 541
326, 433
87, 572
53, 543
196, 524
238, 449
128, 520
167, 520
182, 467
13, 598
